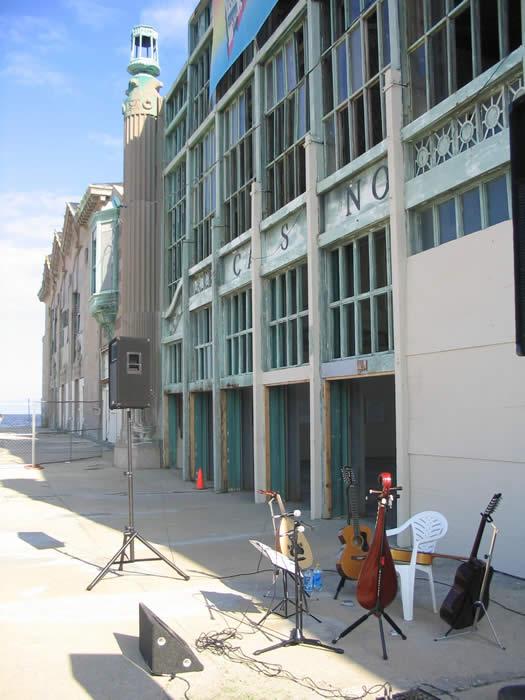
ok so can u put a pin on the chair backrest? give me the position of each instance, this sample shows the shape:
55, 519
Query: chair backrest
428, 525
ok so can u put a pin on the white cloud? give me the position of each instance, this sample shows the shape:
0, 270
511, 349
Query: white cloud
106, 140
94, 14
30, 70
22, 323
171, 22
29, 219
40, 33
26, 234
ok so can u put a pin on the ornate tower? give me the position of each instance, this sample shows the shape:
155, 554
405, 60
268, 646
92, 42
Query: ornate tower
138, 313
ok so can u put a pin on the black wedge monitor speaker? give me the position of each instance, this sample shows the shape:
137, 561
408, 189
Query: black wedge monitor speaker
517, 164
130, 373
163, 650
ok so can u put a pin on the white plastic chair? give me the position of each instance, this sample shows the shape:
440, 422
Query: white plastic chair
427, 527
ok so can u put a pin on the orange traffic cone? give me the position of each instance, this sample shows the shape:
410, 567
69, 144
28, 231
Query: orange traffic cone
200, 479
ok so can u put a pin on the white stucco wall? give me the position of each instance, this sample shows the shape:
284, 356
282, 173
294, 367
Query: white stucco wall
466, 390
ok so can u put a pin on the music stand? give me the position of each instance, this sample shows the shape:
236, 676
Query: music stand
130, 534
296, 635
283, 564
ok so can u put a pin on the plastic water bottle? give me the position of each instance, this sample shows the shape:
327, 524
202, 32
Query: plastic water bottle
317, 582
308, 580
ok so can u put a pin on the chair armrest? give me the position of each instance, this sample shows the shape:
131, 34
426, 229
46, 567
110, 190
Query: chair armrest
396, 530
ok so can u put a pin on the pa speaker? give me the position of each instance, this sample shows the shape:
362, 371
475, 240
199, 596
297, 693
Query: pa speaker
517, 166
163, 650
129, 373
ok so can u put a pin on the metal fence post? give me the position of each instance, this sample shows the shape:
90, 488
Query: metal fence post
33, 440
70, 439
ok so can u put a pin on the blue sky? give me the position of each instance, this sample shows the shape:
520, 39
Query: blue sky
63, 77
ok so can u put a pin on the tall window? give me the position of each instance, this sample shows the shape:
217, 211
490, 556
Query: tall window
450, 42
238, 322
175, 363
360, 296
203, 195
176, 224
202, 343
176, 101
356, 53
199, 26
175, 140
450, 217
289, 340
238, 164
286, 122
94, 260
200, 102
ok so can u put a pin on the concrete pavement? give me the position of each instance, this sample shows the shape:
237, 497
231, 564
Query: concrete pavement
59, 526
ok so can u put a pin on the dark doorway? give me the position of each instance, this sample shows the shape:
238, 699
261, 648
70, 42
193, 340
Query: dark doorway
239, 439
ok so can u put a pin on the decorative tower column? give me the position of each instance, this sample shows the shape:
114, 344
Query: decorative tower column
139, 259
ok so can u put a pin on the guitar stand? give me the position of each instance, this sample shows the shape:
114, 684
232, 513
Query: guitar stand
296, 635
379, 613
130, 533
479, 604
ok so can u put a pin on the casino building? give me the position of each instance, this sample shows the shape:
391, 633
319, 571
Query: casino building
337, 268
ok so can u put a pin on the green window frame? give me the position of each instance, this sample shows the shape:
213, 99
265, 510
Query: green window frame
452, 216
238, 341
203, 195
286, 122
355, 42
202, 343
200, 101
238, 165
175, 363
175, 224
288, 318
450, 42
360, 296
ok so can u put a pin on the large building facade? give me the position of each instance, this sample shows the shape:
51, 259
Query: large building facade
337, 282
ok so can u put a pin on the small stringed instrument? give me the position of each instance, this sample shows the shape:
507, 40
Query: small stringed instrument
459, 609
355, 537
377, 582
284, 542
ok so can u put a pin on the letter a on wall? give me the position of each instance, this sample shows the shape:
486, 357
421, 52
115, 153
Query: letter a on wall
235, 24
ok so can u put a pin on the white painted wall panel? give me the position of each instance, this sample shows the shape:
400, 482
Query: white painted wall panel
466, 389
461, 294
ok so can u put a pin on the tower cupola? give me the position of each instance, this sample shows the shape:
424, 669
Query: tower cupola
144, 56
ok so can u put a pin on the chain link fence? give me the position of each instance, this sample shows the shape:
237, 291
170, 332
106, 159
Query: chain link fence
42, 432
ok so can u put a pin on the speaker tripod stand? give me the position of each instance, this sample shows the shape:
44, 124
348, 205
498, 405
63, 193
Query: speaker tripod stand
296, 635
130, 533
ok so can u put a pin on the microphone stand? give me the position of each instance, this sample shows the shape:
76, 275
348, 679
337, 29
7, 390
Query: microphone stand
296, 635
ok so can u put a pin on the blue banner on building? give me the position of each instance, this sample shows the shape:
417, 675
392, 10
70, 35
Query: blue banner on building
235, 24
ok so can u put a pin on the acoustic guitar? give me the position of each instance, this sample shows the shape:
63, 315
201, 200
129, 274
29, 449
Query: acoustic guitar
355, 537
459, 609
284, 541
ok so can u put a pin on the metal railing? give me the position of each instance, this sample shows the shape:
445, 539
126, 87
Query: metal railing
43, 432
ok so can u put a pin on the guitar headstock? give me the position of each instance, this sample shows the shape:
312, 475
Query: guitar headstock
494, 503
349, 477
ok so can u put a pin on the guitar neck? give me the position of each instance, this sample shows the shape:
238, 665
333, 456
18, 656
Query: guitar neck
479, 535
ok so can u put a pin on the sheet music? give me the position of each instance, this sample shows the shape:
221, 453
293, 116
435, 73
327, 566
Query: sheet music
277, 558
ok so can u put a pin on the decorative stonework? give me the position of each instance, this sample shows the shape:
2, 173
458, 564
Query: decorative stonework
200, 281
143, 96
480, 122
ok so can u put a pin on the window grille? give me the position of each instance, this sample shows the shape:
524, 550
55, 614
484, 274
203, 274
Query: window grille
238, 164
176, 225
238, 324
355, 56
450, 43
203, 195
360, 296
286, 122
202, 343
288, 314
471, 209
